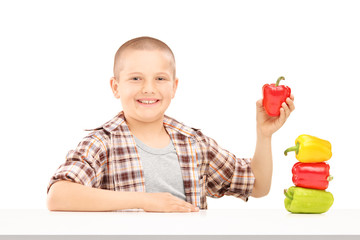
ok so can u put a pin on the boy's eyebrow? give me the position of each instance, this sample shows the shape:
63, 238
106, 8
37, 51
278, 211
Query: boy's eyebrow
134, 73
162, 73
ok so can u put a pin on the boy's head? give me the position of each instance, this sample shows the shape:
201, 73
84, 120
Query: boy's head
144, 78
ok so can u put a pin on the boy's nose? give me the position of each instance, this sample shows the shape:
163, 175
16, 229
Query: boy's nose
148, 87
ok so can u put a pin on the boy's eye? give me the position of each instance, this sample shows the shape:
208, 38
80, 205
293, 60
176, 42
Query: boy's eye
138, 78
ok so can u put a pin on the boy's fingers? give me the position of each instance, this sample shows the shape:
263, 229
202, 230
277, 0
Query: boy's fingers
186, 208
282, 116
286, 109
183, 209
259, 104
290, 103
186, 205
192, 207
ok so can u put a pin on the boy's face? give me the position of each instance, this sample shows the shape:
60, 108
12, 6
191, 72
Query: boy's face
145, 84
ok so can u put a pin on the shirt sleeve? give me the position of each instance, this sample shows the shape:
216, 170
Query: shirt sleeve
227, 174
83, 165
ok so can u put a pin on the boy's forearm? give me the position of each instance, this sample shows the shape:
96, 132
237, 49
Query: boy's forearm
262, 166
69, 196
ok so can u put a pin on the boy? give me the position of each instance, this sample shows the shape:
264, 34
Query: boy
144, 159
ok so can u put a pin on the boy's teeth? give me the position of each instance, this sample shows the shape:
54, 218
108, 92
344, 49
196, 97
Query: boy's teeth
147, 102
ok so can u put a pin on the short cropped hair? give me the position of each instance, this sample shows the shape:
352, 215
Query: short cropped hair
142, 43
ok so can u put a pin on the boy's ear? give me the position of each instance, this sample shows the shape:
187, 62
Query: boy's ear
115, 87
176, 81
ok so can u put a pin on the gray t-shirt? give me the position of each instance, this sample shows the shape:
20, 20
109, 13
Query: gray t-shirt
161, 169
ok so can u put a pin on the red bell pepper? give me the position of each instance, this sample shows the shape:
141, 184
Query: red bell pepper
273, 96
311, 175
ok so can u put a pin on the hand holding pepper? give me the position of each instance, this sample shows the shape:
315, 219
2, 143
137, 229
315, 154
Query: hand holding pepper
274, 95
267, 125
261, 163
274, 109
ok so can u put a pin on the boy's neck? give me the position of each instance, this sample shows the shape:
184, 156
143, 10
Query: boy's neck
146, 130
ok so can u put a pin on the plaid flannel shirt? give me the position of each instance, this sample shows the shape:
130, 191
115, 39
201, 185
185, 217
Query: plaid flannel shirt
108, 159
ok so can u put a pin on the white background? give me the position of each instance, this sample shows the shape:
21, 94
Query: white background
56, 61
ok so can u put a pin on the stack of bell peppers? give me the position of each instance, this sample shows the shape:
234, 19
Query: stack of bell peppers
310, 175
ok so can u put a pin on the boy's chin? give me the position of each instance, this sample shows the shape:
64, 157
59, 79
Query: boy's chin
149, 116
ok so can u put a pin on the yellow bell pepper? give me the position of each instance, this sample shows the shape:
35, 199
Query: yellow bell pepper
311, 149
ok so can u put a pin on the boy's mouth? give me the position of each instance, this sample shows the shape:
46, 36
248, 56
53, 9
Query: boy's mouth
148, 101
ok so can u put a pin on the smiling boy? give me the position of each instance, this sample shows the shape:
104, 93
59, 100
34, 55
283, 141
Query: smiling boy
144, 159
145, 83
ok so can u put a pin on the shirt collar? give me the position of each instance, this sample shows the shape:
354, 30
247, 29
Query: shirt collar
115, 125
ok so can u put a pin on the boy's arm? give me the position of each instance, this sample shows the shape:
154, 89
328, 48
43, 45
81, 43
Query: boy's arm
262, 166
70, 196
262, 163
76, 185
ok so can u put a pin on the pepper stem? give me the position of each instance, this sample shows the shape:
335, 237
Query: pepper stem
278, 81
329, 178
294, 148
286, 194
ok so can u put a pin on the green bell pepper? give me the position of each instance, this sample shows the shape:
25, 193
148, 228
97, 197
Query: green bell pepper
307, 200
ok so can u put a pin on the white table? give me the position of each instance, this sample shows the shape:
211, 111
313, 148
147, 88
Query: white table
250, 224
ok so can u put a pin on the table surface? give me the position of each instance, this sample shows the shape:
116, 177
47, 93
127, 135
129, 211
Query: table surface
205, 222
